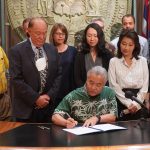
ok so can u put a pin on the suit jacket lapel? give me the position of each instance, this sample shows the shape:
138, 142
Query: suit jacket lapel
30, 52
31, 56
47, 51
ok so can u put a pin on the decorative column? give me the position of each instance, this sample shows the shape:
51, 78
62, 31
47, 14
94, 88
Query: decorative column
2, 24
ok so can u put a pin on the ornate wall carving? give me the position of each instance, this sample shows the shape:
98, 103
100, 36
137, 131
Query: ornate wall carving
75, 14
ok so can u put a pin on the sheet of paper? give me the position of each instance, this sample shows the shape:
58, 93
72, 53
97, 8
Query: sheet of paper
92, 129
81, 130
107, 127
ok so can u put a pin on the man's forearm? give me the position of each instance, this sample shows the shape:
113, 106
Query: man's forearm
59, 120
108, 118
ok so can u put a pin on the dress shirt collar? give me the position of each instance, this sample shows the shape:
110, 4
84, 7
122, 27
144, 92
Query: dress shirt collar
33, 46
124, 62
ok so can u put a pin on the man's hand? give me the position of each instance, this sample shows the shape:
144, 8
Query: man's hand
70, 123
91, 121
42, 101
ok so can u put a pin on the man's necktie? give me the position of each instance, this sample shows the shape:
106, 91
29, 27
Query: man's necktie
43, 73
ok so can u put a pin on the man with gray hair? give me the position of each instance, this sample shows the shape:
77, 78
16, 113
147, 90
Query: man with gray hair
93, 103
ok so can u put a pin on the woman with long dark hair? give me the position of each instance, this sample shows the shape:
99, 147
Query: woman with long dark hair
129, 72
92, 53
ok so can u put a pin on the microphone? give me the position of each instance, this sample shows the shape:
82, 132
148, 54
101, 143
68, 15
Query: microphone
124, 112
129, 94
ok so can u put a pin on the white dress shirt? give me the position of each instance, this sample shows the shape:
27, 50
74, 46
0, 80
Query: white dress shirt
144, 46
122, 76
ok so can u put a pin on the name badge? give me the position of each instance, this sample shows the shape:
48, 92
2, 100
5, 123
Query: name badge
40, 64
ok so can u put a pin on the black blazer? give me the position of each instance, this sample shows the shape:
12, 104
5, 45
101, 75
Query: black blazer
80, 70
25, 77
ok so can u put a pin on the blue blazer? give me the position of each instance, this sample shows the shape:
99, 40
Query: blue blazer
25, 77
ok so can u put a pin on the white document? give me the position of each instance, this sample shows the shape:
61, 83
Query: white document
92, 129
81, 130
107, 127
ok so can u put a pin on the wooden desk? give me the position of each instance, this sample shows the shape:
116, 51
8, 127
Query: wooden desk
122, 147
7, 126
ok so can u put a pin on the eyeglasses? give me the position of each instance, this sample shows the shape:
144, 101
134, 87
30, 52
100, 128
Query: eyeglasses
60, 34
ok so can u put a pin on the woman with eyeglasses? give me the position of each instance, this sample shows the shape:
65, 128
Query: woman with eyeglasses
67, 53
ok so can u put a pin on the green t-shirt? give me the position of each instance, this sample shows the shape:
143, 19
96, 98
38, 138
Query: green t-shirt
80, 106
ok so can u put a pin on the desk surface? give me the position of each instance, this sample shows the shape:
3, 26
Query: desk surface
29, 136
5, 126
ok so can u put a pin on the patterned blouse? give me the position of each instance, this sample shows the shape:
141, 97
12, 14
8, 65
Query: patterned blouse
80, 106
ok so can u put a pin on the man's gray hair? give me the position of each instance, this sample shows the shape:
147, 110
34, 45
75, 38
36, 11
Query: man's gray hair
98, 70
33, 19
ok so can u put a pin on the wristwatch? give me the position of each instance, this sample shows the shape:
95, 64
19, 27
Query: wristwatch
99, 118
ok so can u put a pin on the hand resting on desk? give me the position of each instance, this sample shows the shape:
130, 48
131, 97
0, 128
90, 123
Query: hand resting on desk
70, 122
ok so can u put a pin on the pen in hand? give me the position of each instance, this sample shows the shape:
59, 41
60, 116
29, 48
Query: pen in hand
66, 116
70, 122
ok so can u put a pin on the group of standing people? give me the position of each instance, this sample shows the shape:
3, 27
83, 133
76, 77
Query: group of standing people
45, 76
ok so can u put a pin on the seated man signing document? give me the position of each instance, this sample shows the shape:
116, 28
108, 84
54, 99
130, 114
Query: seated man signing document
91, 104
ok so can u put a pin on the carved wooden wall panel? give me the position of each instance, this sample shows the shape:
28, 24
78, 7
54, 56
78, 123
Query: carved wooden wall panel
75, 14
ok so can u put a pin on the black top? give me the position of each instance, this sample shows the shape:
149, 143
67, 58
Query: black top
67, 62
80, 69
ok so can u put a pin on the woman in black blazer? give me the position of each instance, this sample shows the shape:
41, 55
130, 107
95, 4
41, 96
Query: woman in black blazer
92, 53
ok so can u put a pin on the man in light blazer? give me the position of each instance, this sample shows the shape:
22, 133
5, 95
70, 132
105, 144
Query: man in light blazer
33, 97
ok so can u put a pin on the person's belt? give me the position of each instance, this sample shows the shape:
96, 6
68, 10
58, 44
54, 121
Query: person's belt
134, 91
1, 95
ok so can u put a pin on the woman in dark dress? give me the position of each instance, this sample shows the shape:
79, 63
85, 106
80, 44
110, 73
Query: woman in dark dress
92, 53
58, 37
